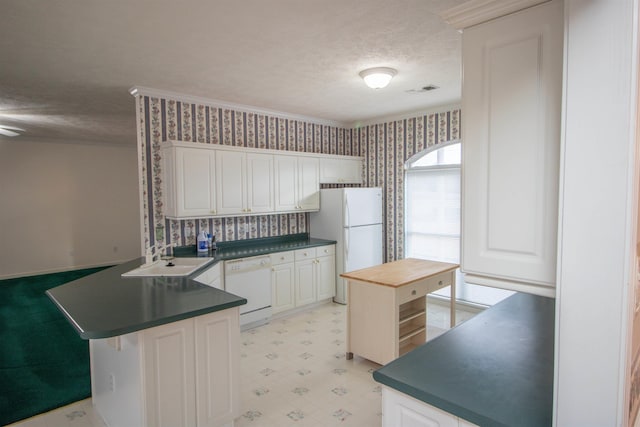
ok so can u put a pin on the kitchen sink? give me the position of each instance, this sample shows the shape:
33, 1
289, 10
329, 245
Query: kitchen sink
169, 268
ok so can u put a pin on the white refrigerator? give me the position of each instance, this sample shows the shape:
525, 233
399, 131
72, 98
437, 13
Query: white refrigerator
353, 218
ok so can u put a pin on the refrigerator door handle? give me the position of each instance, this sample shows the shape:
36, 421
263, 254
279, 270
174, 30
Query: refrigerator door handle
346, 212
346, 244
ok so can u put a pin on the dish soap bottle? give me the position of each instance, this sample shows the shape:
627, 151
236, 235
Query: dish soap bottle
203, 242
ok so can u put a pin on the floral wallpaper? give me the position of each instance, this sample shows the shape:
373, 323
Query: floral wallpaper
162, 119
385, 148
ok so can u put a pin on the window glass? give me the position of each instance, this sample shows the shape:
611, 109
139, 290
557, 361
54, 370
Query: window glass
432, 217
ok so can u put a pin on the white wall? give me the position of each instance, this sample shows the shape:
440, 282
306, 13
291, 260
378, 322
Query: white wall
596, 211
66, 206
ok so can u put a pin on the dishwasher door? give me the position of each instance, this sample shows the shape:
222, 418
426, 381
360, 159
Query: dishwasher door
250, 278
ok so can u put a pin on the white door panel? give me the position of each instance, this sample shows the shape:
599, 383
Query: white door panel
363, 247
362, 206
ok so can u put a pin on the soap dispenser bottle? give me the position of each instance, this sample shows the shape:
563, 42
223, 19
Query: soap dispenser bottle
203, 242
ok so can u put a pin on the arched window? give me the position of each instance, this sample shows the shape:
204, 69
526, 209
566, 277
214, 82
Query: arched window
432, 194
432, 215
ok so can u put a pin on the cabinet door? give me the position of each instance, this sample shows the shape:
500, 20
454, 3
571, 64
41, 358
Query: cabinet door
217, 367
211, 277
231, 182
308, 183
282, 287
511, 101
340, 171
305, 281
169, 374
326, 277
260, 196
286, 182
189, 182
400, 410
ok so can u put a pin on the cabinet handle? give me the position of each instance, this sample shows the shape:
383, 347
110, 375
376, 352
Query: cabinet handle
273, 269
214, 212
440, 283
413, 292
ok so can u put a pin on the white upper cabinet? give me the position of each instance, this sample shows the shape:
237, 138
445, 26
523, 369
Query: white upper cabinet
231, 184
244, 183
297, 183
189, 182
341, 170
308, 183
204, 180
286, 173
260, 183
511, 101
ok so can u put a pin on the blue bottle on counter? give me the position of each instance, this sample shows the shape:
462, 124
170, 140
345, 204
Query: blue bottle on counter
203, 243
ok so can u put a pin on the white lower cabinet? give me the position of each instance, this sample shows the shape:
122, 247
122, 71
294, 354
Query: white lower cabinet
305, 281
282, 281
302, 277
169, 374
191, 371
181, 374
315, 270
217, 369
400, 410
212, 276
326, 274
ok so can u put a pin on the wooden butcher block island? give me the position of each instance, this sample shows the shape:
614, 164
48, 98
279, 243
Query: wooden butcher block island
386, 306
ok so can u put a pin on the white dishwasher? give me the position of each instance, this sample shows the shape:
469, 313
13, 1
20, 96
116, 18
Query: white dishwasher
250, 278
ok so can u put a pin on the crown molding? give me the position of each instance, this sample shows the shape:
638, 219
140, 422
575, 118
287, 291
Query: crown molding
404, 116
475, 12
146, 91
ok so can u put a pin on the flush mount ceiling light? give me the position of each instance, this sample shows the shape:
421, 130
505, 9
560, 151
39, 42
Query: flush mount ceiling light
10, 130
377, 78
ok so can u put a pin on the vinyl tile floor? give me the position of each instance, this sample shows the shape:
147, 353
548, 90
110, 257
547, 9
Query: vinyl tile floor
293, 373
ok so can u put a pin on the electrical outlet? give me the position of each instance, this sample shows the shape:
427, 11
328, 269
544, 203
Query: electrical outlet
112, 383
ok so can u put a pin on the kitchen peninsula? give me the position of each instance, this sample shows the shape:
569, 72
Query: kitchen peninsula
165, 350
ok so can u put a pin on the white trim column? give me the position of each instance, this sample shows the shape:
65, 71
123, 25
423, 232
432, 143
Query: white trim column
596, 213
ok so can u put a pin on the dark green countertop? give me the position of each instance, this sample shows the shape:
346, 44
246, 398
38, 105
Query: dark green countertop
254, 247
495, 369
105, 304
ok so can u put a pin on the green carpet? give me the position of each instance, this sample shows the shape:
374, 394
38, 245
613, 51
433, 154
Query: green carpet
44, 364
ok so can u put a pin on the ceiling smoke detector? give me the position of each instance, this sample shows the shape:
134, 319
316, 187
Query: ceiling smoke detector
426, 88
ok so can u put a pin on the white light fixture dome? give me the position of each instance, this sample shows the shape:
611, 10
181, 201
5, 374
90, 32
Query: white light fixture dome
377, 78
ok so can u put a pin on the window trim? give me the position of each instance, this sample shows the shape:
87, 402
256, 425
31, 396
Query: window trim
411, 160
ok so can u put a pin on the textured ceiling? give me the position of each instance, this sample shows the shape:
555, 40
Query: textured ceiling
67, 65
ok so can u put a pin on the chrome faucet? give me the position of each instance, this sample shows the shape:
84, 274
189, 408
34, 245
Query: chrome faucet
157, 252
